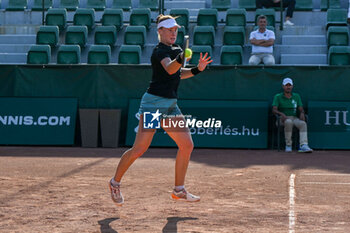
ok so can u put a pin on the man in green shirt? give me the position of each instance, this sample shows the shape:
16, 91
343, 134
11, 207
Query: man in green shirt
285, 105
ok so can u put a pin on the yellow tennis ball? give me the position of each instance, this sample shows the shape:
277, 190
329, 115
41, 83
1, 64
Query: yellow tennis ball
188, 53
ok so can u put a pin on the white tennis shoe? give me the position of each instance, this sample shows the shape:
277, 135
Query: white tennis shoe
183, 195
116, 194
305, 149
288, 149
288, 23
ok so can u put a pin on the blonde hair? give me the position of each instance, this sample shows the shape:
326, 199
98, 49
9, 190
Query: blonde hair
161, 18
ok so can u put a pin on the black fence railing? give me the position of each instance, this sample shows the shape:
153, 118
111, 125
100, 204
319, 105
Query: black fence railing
281, 17
43, 12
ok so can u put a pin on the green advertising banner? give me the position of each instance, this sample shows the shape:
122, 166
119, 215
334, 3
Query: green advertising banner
243, 124
329, 124
37, 121
112, 86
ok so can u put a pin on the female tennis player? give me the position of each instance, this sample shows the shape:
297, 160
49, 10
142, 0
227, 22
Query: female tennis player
167, 59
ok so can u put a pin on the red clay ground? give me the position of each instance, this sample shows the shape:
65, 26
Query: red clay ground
57, 189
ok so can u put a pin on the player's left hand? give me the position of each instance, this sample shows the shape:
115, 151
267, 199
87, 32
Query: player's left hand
204, 61
302, 116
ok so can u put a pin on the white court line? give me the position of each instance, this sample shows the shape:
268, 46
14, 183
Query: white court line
292, 216
324, 174
336, 183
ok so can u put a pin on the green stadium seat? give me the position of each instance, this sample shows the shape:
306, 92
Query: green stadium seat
38, 5
336, 17
231, 55
16, 5
70, 5
57, 17
47, 35
151, 4
113, 17
122, 4
236, 17
106, 35
196, 50
303, 5
182, 16
129, 54
39, 54
84, 17
141, 17
221, 5
204, 35
269, 13
337, 35
234, 35
76, 35
339, 55
249, 5
68, 54
332, 4
207, 17
99, 54
180, 36
98, 5
135, 35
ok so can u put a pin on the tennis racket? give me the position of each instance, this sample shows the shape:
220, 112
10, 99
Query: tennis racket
185, 46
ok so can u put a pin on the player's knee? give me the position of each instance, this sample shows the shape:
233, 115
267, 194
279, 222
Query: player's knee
288, 122
186, 146
252, 61
270, 62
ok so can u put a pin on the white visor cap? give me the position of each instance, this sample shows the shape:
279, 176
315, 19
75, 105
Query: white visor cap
286, 81
168, 23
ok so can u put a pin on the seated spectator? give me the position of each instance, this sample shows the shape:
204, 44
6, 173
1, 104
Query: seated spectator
348, 20
290, 4
285, 105
262, 41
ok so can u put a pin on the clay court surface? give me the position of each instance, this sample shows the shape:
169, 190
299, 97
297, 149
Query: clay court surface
60, 189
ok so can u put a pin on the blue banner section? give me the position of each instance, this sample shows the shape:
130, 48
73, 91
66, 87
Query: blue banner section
37, 121
329, 124
215, 124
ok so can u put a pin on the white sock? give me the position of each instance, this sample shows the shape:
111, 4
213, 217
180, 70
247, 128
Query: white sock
179, 188
115, 183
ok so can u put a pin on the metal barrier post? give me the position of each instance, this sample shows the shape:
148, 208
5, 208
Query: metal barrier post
161, 6
43, 12
281, 10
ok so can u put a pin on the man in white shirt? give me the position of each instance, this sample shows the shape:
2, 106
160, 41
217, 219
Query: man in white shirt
262, 41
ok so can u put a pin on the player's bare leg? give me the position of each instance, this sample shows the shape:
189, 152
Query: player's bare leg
183, 140
142, 141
